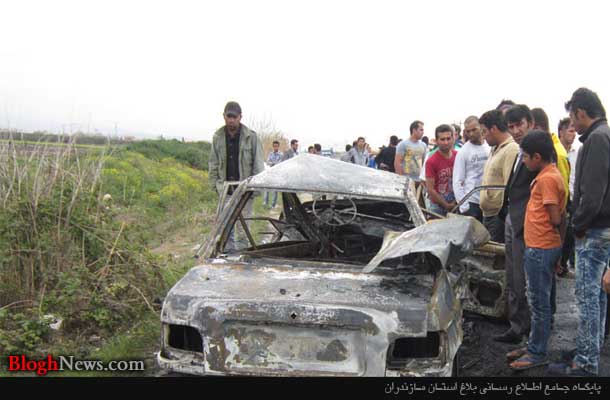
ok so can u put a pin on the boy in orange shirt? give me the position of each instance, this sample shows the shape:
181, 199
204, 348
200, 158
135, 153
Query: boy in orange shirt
542, 244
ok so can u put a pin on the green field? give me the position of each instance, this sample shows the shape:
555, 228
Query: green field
95, 239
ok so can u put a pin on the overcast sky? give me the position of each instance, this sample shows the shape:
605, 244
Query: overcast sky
323, 71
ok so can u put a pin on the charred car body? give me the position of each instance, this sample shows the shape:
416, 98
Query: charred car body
351, 280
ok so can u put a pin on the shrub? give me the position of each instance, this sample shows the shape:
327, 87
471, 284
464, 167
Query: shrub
193, 154
62, 250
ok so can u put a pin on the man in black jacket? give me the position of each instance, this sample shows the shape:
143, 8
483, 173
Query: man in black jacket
385, 159
591, 224
519, 121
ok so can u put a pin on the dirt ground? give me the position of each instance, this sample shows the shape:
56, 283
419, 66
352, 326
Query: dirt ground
482, 356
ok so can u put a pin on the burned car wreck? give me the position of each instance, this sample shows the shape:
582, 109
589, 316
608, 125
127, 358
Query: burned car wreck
351, 279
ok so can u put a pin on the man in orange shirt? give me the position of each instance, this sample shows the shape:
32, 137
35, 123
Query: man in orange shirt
542, 244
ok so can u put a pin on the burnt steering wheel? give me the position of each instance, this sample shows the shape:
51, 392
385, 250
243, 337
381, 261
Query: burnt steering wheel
334, 217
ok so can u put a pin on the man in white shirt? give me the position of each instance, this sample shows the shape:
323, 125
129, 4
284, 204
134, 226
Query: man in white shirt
468, 168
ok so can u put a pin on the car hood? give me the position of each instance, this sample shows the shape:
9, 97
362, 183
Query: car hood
274, 294
447, 240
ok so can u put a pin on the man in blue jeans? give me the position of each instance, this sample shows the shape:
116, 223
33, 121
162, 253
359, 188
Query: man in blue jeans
591, 224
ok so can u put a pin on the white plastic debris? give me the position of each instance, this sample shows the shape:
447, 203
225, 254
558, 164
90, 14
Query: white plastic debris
53, 321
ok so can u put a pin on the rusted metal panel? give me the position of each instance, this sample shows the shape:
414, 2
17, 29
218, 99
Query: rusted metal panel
486, 291
446, 239
272, 290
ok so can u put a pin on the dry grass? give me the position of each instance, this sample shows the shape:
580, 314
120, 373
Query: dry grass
268, 133
29, 183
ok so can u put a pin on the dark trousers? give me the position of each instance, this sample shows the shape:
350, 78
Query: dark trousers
567, 253
474, 211
495, 226
518, 308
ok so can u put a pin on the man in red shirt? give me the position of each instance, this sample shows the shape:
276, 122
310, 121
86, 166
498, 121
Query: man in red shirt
439, 172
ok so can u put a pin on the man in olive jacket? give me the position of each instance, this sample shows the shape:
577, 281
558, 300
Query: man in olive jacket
236, 152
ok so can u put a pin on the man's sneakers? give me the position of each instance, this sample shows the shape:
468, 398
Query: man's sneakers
509, 336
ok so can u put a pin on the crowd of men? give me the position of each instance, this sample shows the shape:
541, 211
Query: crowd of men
546, 196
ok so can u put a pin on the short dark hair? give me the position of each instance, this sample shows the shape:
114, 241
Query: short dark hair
360, 137
425, 140
310, 147
471, 119
348, 147
588, 101
537, 141
414, 125
541, 119
493, 118
393, 140
563, 124
517, 113
505, 102
293, 141
442, 128
276, 142
317, 147
457, 128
